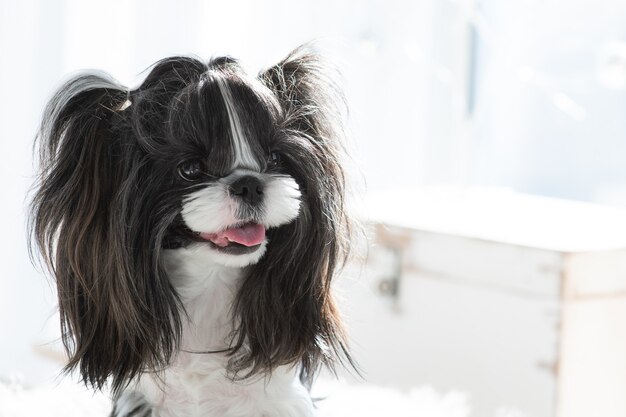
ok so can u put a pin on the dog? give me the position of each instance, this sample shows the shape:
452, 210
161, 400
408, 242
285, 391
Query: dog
193, 226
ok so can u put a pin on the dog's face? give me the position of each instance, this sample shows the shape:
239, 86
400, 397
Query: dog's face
242, 171
231, 172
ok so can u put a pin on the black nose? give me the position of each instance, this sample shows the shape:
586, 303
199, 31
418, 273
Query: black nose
248, 188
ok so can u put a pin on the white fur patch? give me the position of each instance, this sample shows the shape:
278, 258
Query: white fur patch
196, 384
211, 209
282, 199
244, 158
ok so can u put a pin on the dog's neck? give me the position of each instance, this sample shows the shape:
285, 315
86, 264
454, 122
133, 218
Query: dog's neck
207, 292
197, 384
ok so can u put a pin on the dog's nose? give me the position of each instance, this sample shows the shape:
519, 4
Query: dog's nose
248, 188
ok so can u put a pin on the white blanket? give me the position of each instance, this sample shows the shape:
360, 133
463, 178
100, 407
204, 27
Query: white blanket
67, 399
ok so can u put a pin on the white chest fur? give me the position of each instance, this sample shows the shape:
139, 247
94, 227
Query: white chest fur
198, 387
196, 384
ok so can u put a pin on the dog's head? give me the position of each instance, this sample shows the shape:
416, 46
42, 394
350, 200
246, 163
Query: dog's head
245, 171
233, 164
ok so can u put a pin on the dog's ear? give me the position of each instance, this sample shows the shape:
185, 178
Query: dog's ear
310, 96
89, 219
285, 308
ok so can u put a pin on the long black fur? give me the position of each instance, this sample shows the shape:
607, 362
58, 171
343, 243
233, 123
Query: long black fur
108, 202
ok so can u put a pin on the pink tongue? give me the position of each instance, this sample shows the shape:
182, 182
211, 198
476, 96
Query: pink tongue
250, 234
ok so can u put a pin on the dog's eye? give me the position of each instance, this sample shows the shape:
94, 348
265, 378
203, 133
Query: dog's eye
190, 170
274, 159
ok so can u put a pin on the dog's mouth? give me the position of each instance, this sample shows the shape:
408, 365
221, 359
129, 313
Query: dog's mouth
237, 239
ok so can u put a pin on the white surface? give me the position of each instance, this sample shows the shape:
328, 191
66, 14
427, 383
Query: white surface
593, 359
363, 401
340, 400
509, 268
519, 300
503, 216
64, 399
496, 345
595, 274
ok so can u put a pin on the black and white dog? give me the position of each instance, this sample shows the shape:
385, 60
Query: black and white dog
193, 226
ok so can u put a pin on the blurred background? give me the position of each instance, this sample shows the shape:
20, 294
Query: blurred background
488, 133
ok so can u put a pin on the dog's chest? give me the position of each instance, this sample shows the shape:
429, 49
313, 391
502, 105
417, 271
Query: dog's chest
198, 387
196, 384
